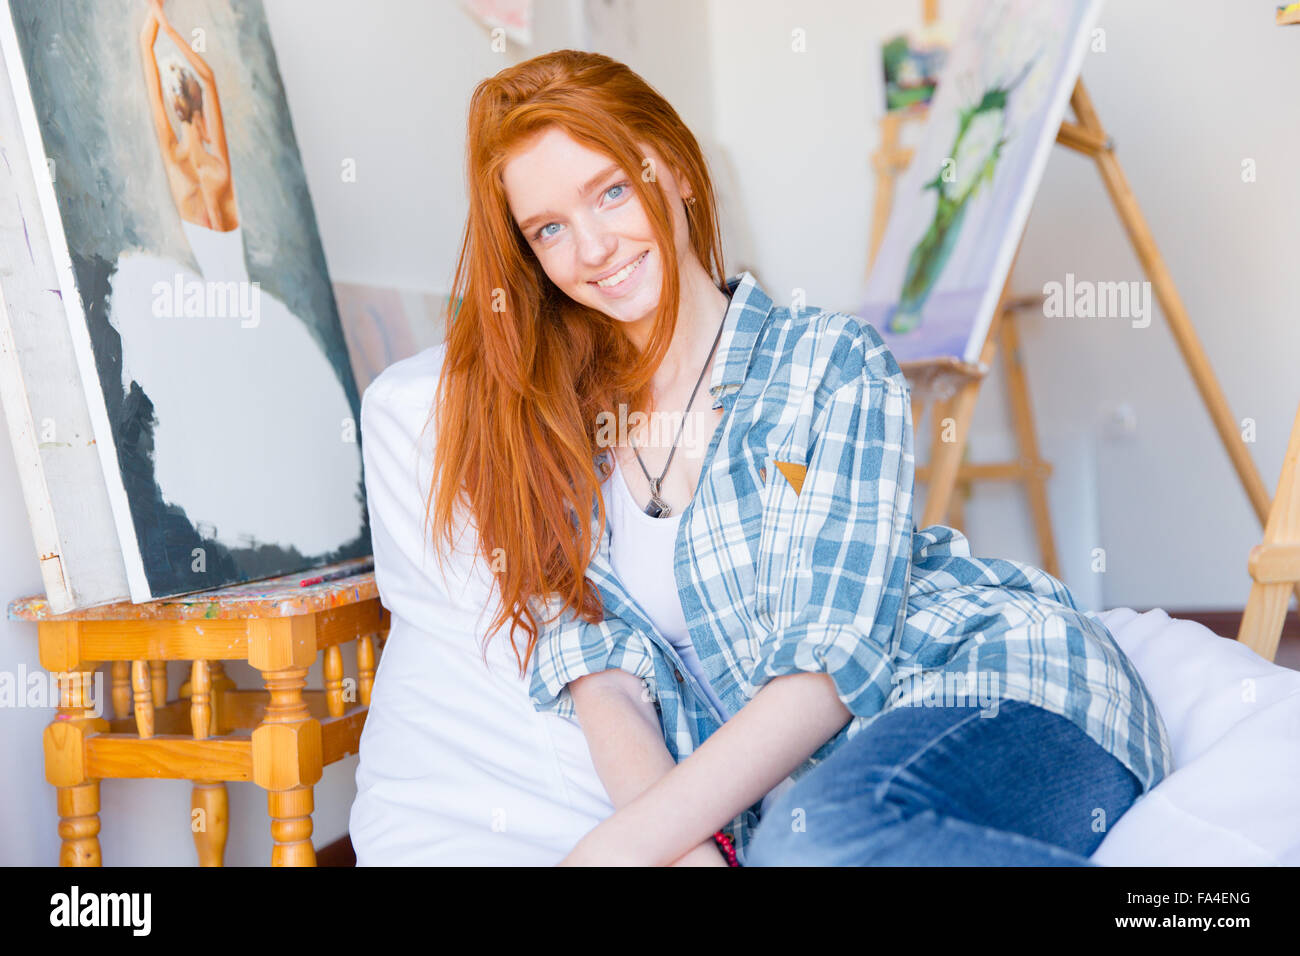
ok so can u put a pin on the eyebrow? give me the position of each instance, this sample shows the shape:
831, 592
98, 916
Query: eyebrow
587, 187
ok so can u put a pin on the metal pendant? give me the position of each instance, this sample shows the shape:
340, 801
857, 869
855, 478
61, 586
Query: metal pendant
657, 508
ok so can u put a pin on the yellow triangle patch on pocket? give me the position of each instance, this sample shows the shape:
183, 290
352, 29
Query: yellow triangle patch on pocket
793, 473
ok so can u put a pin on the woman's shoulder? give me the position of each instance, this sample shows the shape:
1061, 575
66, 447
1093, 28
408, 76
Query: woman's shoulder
836, 348
411, 380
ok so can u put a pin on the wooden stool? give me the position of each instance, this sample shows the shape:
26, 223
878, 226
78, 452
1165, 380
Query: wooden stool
280, 737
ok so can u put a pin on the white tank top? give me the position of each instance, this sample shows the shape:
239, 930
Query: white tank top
642, 555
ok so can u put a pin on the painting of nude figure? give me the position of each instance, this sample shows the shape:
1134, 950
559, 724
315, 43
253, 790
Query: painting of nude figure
195, 286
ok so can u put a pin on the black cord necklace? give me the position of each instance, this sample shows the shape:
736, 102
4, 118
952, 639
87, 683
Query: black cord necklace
658, 508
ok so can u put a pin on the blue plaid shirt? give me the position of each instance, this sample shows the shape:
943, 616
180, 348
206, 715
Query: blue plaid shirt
799, 553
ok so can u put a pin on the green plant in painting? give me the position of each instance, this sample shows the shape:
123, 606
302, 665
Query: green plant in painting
981, 134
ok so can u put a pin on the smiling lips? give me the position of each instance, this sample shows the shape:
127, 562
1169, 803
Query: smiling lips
618, 277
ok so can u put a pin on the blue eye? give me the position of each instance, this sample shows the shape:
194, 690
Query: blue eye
543, 234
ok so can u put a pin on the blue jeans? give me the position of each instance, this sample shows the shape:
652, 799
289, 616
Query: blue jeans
945, 786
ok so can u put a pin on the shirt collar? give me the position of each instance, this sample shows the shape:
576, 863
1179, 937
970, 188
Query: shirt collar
741, 329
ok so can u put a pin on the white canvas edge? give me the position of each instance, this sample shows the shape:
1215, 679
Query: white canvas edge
31, 473
67, 501
1029, 189
104, 441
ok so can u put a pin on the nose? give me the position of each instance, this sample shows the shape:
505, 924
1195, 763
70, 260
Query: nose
596, 247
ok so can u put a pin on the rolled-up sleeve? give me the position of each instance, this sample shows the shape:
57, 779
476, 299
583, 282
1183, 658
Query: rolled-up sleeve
834, 596
570, 647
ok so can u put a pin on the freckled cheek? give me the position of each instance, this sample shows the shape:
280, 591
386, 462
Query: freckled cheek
631, 223
561, 265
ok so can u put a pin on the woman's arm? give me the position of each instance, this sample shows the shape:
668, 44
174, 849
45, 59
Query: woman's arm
212, 102
749, 755
162, 126
627, 747
200, 65
622, 731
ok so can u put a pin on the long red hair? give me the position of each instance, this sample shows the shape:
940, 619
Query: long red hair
527, 369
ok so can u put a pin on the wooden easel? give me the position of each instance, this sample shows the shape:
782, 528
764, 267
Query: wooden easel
954, 385
1275, 563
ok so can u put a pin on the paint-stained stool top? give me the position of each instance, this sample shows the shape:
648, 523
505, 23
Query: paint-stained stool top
273, 597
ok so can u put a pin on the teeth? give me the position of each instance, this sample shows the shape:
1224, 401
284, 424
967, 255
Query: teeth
622, 274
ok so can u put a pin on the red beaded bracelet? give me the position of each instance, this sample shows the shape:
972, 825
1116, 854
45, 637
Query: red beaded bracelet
728, 849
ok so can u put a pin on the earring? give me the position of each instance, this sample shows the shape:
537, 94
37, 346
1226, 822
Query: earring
690, 200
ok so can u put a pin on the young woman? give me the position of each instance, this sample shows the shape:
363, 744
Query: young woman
751, 614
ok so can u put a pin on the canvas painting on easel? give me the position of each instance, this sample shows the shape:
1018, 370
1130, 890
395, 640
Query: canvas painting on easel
193, 281
962, 204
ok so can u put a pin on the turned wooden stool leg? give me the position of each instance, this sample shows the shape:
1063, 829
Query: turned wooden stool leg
210, 821
332, 669
291, 826
144, 699
287, 746
365, 667
121, 689
158, 682
77, 796
290, 807
209, 801
220, 684
79, 824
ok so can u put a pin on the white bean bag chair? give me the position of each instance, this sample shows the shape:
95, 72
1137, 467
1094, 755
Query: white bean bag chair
457, 768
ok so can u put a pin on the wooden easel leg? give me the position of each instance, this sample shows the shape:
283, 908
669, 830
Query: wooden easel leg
885, 161
1261, 625
957, 503
951, 422
947, 435
1171, 304
1275, 562
1036, 470
945, 456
